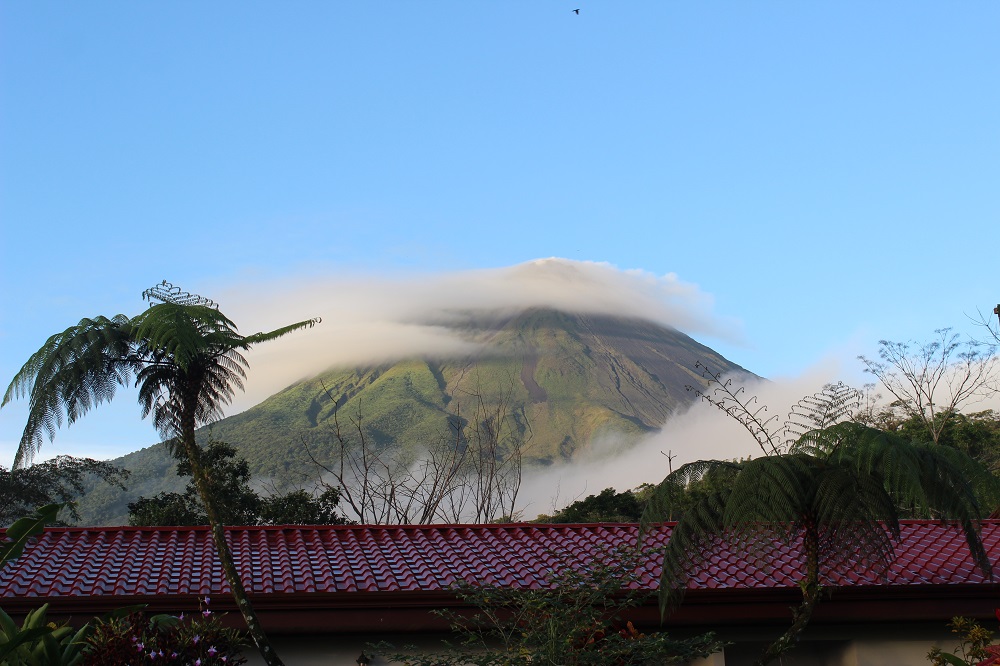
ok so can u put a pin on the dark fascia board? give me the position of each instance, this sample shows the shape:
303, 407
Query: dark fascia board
403, 612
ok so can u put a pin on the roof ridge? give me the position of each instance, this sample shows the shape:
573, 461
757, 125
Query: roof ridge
483, 527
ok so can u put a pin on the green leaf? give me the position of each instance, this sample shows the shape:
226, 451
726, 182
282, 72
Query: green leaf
952, 659
23, 529
19, 639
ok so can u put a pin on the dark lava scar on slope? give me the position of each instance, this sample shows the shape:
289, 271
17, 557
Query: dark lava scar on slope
535, 392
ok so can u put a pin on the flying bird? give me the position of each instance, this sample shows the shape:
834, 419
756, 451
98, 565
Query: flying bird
576, 11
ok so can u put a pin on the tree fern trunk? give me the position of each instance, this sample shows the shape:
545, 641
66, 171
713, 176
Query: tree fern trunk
260, 639
811, 590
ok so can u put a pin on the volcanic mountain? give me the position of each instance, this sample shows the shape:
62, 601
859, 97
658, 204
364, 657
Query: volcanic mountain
561, 381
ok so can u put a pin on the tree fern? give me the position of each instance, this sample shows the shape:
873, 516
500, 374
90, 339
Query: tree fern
837, 491
184, 356
833, 404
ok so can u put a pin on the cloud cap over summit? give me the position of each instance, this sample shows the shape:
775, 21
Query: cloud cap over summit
369, 319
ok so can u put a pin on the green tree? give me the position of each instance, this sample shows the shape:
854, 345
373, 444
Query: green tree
229, 476
839, 491
185, 358
300, 507
977, 434
609, 506
931, 381
59, 480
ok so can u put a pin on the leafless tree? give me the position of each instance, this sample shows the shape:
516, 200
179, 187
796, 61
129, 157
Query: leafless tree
871, 408
494, 451
472, 474
931, 381
990, 323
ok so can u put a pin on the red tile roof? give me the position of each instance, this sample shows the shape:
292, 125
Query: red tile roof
141, 562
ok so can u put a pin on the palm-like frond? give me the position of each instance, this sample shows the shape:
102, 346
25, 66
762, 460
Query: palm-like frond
192, 365
833, 404
185, 359
73, 371
856, 521
671, 498
840, 488
257, 338
182, 358
768, 490
186, 334
693, 537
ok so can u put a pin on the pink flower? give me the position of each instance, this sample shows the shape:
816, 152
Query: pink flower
994, 658
196, 639
212, 651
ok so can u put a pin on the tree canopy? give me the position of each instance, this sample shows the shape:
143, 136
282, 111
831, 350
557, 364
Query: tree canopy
59, 480
930, 381
609, 506
230, 478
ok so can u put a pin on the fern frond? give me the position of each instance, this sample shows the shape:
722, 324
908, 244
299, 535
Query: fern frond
73, 372
699, 519
279, 332
857, 521
693, 538
831, 405
671, 496
769, 490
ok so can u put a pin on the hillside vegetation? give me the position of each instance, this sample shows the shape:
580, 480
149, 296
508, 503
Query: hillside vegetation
566, 380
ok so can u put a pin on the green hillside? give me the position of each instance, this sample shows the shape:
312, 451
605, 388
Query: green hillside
566, 379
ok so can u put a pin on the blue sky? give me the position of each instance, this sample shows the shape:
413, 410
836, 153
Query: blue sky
825, 173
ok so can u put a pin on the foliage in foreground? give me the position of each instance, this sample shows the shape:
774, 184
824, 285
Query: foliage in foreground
576, 620
836, 493
121, 638
17, 536
975, 649
133, 639
38, 642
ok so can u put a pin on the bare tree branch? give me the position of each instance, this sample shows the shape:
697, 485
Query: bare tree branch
739, 406
930, 382
471, 474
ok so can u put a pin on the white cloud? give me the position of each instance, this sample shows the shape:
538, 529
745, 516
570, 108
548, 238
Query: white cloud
703, 432
369, 319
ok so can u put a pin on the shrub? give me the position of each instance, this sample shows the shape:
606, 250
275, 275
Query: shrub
576, 619
195, 640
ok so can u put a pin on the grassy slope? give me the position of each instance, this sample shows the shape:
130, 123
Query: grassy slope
568, 378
